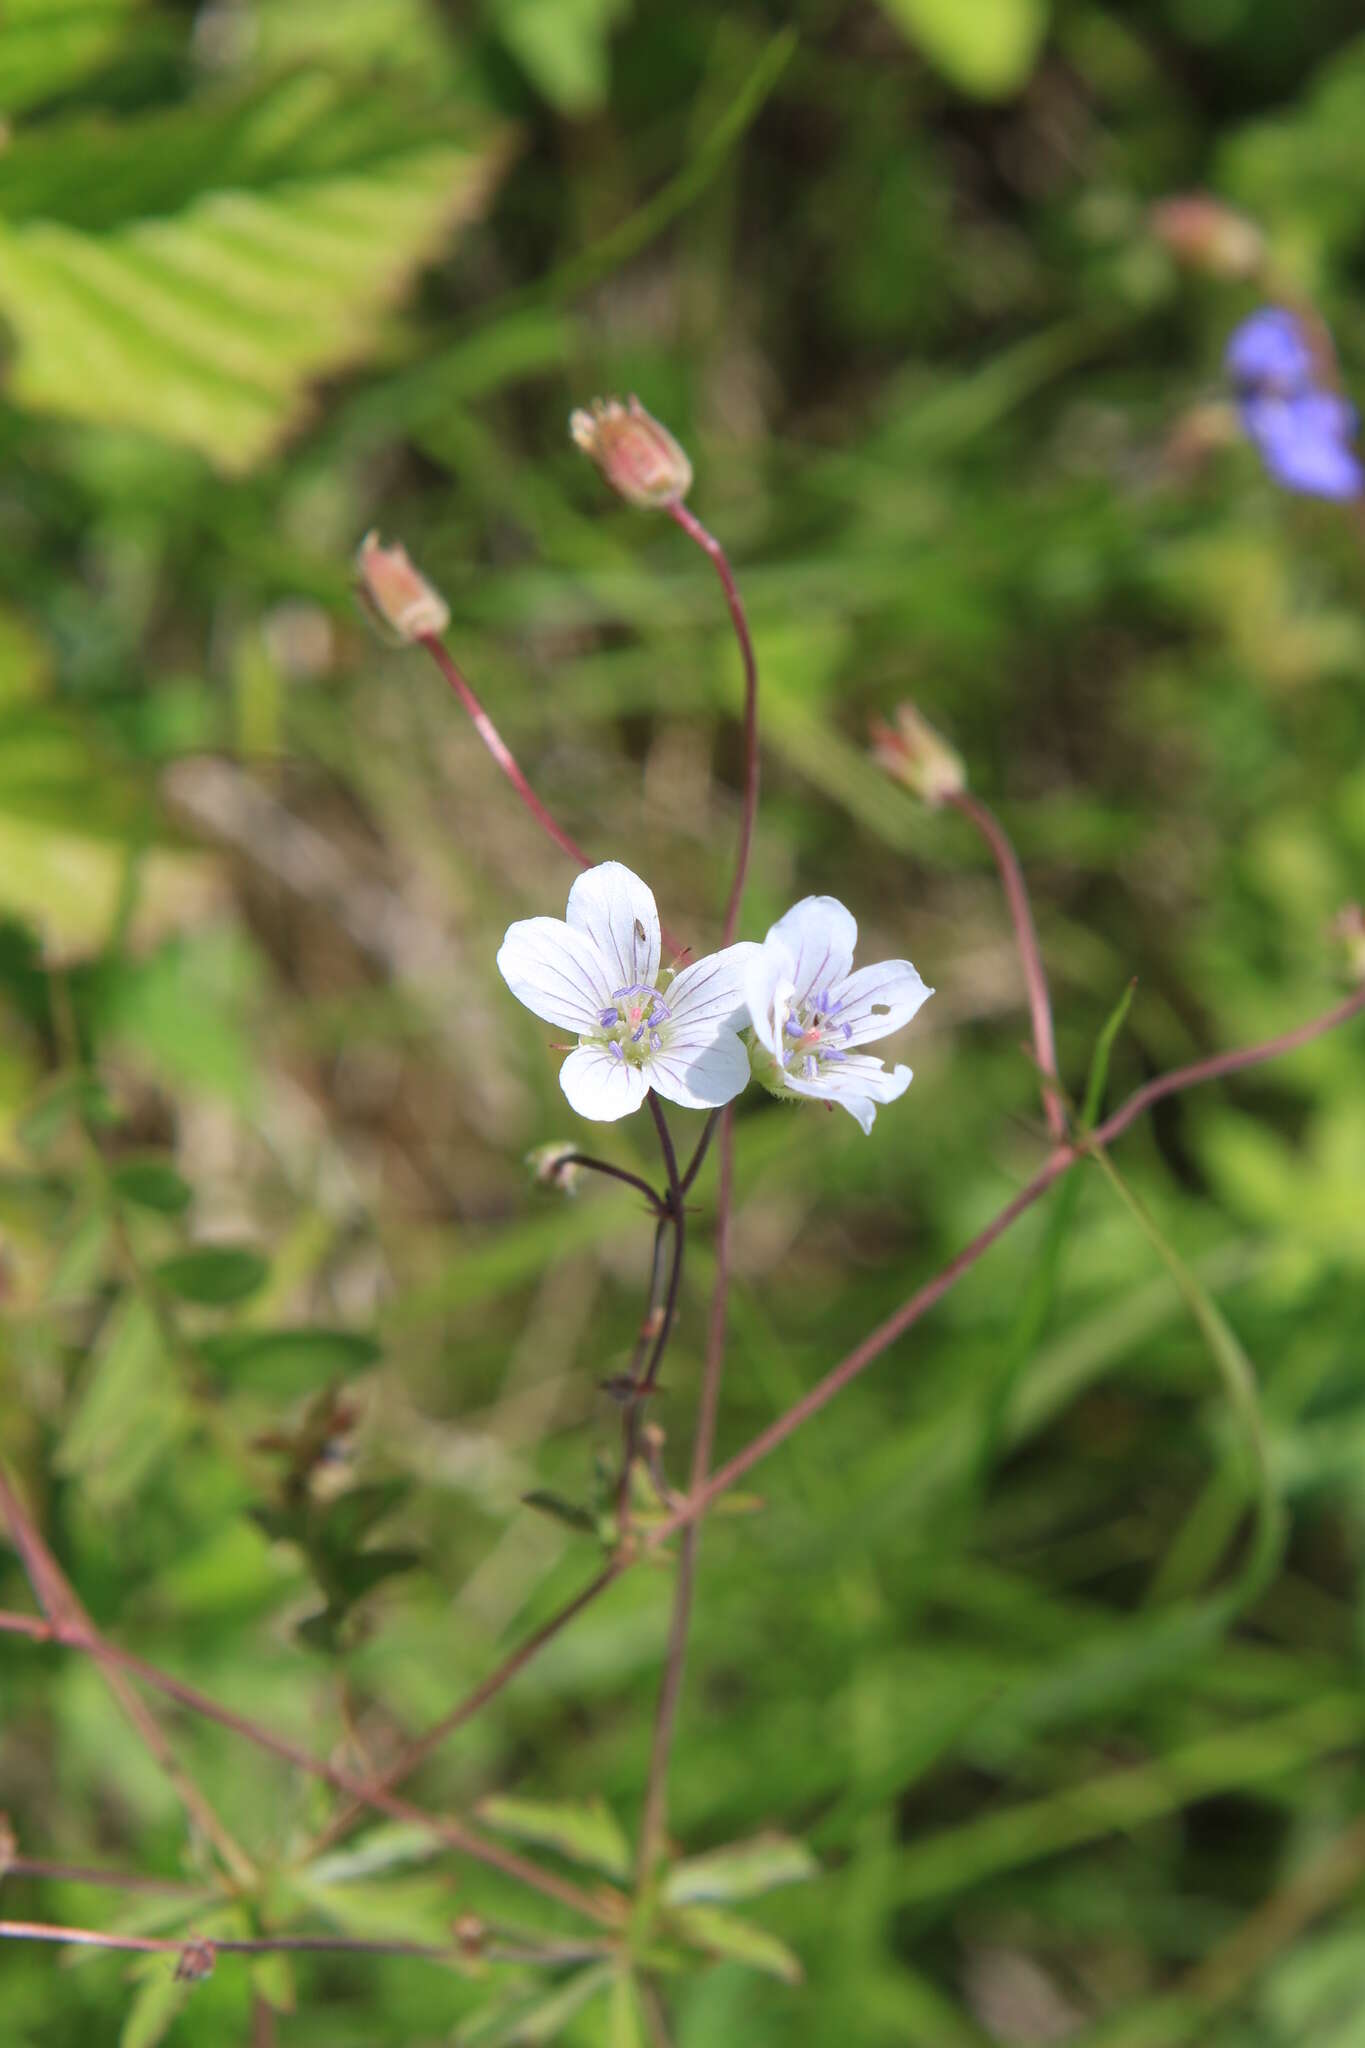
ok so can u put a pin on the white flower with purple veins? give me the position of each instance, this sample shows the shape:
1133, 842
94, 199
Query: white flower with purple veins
597, 973
811, 1012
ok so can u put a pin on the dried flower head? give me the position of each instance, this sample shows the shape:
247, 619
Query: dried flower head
553, 1166
195, 1961
638, 457
397, 596
917, 756
1207, 235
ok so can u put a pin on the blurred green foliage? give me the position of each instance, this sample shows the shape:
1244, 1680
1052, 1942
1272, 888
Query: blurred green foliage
1046, 1639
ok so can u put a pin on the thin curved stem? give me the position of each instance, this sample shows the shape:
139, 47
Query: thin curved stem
622, 1173
675, 1204
214, 1945
695, 1163
499, 749
709, 545
1030, 958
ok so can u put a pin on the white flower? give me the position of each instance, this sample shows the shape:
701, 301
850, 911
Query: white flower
810, 1010
597, 975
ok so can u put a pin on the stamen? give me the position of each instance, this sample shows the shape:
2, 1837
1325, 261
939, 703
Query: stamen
642, 988
608, 1017
847, 1030
824, 999
792, 1028
637, 1034
655, 1042
616, 1051
812, 1066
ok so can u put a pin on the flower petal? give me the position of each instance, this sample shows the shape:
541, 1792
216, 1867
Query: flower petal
818, 935
555, 971
857, 1084
601, 1087
618, 913
709, 995
701, 1077
765, 981
878, 1000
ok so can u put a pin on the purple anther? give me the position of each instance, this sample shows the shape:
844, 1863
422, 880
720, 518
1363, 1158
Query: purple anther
608, 1017
616, 1051
655, 1042
638, 1033
792, 1028
812, 1068
828, 1052
847, 1030
824, 1000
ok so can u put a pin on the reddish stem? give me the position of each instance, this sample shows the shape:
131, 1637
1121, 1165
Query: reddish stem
1031, 959
1217, 1068
57, 1598
708, 543
499, 749
111, 1880
174, 1945
455, 1837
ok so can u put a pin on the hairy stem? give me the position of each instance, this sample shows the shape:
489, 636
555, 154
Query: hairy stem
1030, 958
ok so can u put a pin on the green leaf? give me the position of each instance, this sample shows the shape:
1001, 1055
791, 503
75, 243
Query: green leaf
564, 47
157, 2004
541, 2019
363, 1570
737, 1941
624, 2027
130, 1409
584, 1831
742, 1870
214, 1275
152, 1184
48, 44
561, 1510
984, 47
354, 1513
231, 258
288, 1362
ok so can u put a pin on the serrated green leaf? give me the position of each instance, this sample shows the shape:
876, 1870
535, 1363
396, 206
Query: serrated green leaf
157, 2004
201, 313
583, 1831
737, 1941
152, 1184
214, 1275
984, 47
741, 1870
288, 1362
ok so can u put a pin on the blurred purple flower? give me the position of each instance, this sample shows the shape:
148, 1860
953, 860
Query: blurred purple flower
1302, 430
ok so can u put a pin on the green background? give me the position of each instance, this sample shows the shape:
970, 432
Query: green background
1060, 1685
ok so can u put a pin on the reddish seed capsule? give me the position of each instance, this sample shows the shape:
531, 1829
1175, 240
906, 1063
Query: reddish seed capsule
397, 596
636, 454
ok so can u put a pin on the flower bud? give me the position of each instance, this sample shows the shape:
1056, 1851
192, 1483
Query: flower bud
915, 755
1203, 233
195, 1961
552, 1166
396, 595
1348, 931
638, 457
